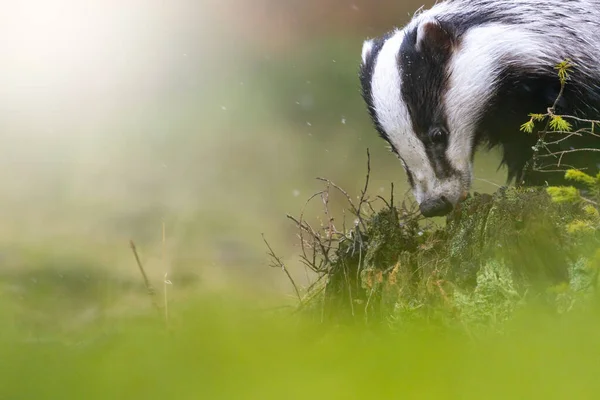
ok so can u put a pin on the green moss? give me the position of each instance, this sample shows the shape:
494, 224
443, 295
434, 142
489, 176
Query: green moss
494, 252
563, 194
388, 238
494, 299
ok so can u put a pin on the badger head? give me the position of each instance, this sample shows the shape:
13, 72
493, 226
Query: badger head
406, 79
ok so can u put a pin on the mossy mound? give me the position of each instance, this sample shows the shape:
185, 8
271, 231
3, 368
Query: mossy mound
494, 253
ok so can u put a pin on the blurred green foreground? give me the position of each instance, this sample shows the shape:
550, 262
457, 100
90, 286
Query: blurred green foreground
117, 117
225, 352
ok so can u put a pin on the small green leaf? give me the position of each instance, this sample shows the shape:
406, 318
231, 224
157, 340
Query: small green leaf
580, 176
528, 126
564, 68
537, 117
557, 123
579, 226
560, 194
591, 211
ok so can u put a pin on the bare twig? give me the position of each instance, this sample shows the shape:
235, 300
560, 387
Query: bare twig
590, 201
317, 242
568, 151
345, 268
302, 242
560, 94
354, 209
277, 263
149, 287
166, 282
488, 182
571, 117
367, 179
388, 205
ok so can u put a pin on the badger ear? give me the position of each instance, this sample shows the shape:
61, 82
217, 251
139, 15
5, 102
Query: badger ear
431, 35
366, 50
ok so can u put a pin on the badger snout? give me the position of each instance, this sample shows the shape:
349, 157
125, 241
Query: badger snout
436, 207
440, 203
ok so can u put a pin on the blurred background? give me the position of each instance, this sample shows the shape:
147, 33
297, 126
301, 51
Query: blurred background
210, 118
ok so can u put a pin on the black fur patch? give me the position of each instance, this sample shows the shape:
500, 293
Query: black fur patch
521, 93
424, 72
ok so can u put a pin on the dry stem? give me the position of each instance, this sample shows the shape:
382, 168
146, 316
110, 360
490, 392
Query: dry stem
151, 291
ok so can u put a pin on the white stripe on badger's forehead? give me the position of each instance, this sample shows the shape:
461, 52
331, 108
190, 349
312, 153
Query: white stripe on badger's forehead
392, 113
474, 70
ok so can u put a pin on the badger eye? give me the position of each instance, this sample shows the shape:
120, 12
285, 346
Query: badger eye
438, 135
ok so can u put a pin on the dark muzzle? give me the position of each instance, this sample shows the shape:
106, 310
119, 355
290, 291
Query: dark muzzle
435, 207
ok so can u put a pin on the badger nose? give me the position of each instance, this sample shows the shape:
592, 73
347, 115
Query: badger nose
435, 207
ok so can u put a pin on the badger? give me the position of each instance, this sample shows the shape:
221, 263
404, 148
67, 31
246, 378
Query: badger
467, 73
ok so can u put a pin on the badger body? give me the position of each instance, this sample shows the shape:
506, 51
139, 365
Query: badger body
467, 73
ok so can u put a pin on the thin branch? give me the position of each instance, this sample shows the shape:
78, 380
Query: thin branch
568, 136
590, 121
489, 182
279, 264
149, 286
302, 242
344, 268
590, 201
560, 94
367, 179
566, 168
568, 151
316, 237
388, 205
355, 210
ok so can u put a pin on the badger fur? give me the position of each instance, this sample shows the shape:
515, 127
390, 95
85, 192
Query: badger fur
467, 73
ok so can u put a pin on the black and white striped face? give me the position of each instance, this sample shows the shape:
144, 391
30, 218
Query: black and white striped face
469, 71
407, 78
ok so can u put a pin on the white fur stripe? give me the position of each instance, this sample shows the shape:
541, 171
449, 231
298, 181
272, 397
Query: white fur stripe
393, 116
474, 72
